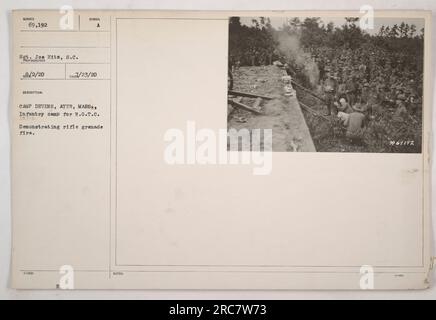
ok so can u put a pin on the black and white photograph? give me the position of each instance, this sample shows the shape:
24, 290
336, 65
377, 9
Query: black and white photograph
125, 176
328, 84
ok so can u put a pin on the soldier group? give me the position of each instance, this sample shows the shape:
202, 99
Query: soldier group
368, 81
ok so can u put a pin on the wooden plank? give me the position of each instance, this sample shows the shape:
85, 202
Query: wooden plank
243, 106
231, 109
247, 94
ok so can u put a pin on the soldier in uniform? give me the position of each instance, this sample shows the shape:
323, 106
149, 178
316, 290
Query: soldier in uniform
375, 99
321, 67
356, 124
365, 92
351, 89
401, 104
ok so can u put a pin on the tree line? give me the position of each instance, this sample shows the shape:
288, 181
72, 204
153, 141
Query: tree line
259, 43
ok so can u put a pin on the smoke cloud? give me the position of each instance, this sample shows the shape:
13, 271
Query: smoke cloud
289, 46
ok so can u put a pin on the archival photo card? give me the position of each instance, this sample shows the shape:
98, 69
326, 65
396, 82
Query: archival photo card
124, 174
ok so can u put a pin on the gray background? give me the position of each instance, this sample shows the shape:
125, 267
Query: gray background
5, 212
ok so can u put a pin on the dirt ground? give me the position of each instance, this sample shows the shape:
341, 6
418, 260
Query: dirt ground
282, 114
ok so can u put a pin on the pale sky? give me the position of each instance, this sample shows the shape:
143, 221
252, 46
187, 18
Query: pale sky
277, 22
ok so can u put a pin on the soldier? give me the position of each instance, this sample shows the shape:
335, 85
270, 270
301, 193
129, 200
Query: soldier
356, 125
365, 92
412, 100
344, 106
401, 104
342, 87
321, 67
375, 99
351, 89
